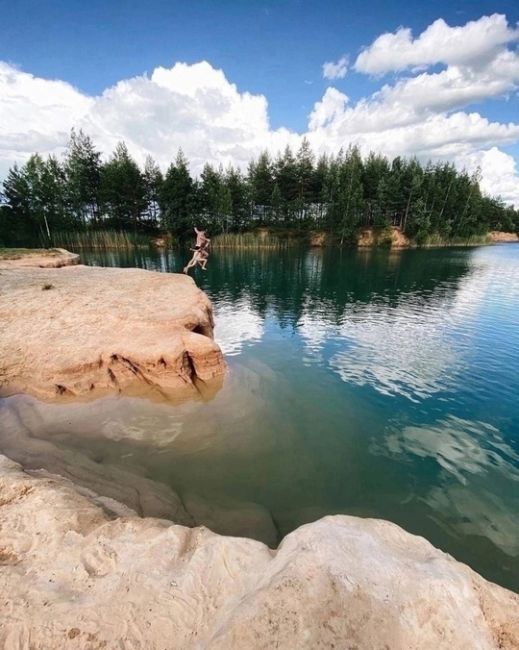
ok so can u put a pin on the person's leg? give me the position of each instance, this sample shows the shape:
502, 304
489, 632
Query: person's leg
192, 262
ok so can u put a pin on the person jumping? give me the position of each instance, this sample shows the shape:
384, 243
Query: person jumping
200, 251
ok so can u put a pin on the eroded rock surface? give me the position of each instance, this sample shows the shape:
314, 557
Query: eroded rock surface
392, 238
497, 236
85, 331
72, 575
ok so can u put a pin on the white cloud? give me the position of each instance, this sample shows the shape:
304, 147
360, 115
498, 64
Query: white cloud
499, 173
386, 125
473, 43
190, 106
35, 114
336, 70
456, 87
330, 108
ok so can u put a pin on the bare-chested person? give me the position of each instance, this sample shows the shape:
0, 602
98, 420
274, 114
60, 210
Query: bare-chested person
201, 239
200, 251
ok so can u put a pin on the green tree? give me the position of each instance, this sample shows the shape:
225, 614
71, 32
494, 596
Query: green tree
240, 199
350, 195
177, 197
83, 178
261, 181
152, 179
305, 175
123, 190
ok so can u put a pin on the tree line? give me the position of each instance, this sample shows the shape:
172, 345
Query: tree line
338, 194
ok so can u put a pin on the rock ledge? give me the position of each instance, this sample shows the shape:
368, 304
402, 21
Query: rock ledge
79, 332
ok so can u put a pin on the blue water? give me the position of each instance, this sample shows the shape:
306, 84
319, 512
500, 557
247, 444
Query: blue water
370, 383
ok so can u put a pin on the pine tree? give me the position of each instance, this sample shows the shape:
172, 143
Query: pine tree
123, 190
83, 178
177, 197
152, 178
305, 174
350, 195
261, 183
340, 192
240, 199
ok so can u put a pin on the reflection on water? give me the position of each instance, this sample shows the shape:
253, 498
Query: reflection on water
238, 324
369, 383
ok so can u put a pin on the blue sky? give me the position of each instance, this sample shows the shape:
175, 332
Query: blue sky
270, 49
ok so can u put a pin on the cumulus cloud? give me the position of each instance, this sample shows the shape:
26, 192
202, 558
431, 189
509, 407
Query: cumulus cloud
330, 108
336, 70
499, 173
190, 106
35, 114
455, 87
473, 43
196, 107
421, 113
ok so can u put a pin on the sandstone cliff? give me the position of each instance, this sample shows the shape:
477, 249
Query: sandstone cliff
497, 236
85, 331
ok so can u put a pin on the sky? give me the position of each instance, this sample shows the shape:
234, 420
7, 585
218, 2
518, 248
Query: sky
225, 80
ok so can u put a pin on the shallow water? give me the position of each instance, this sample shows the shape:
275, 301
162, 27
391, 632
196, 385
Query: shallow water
370, 383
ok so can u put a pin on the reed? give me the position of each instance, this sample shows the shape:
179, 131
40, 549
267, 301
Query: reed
253, 240
100, 239
435, 240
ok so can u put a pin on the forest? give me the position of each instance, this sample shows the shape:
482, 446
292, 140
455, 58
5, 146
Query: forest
294, 191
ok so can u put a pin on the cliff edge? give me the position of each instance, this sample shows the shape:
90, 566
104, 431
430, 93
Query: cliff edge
81, 331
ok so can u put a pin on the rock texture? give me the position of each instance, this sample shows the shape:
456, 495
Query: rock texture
391, 238
52, 258
73, 576
85, 331
496, 236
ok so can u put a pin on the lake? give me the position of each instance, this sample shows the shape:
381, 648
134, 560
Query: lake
373, 383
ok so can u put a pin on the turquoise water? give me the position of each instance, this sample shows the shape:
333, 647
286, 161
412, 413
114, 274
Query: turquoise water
370, 383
